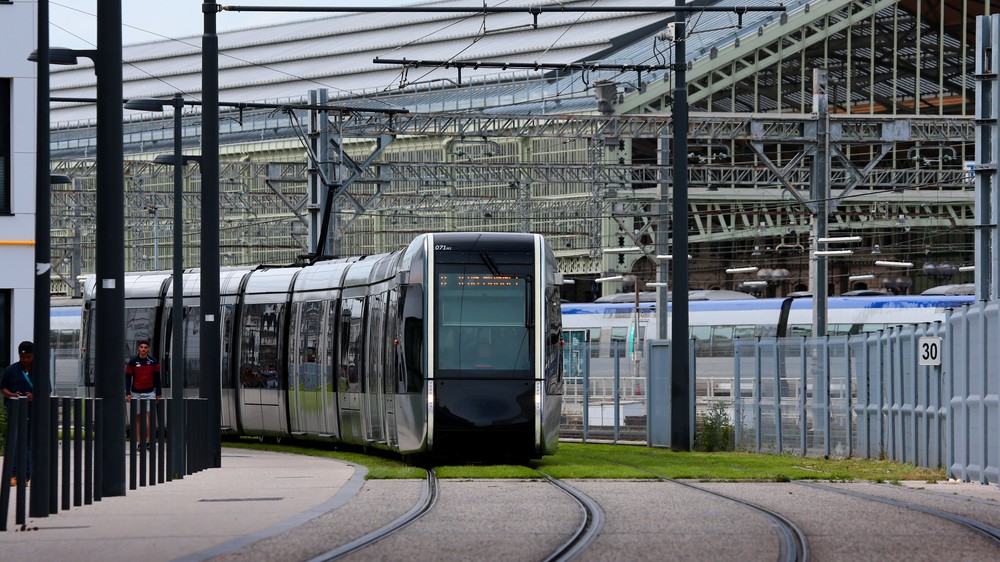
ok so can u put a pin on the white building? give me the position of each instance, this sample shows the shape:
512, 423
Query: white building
18, 33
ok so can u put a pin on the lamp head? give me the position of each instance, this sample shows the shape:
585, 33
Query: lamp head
146, 104
64, 56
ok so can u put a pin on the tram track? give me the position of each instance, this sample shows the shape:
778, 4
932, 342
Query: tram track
990, 532
428, 498
793, 545
589, 528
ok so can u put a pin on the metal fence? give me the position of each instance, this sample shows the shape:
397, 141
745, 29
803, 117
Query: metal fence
923, 394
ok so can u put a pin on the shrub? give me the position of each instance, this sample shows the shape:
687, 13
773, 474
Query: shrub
717, 431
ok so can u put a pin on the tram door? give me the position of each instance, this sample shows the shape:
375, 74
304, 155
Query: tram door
374, 373
260, 361
307, 392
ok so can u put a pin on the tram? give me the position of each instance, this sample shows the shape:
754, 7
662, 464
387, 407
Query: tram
450, 346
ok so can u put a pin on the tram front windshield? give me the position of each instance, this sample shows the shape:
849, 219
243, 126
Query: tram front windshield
483, 321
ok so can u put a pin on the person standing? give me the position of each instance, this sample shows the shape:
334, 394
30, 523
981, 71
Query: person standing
16, 382
142, 381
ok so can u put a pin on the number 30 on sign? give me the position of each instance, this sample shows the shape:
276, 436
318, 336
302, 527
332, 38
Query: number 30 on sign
929, 350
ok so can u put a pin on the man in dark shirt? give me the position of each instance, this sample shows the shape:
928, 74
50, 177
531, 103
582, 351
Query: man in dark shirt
142, 381
16, 383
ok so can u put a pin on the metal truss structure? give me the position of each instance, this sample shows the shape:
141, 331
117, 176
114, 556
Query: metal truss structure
900, 143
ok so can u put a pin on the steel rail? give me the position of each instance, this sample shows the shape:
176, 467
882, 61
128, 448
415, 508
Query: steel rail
428, 498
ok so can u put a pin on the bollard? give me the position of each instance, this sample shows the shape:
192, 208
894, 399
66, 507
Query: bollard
160, 441
142, 427
78, 459
22, 458
88, 451
98, 446
8, 463
133, 409
53, 455
67, 457
151, 443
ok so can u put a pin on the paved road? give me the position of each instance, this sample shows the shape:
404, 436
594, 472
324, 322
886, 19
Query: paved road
271, 506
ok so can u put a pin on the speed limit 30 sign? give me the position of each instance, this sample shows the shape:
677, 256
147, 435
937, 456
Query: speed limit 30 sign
929, 350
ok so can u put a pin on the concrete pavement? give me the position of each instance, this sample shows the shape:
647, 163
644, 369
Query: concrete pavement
253, 496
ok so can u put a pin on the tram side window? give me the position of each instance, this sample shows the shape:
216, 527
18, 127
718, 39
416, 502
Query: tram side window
192, 347
308, 332
260, 346
376, 339
413, 337
227, 345
332, 332
390, 348
138, 327
89, 319
351, 344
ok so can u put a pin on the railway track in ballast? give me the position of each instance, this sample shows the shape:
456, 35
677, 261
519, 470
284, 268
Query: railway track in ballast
561, 546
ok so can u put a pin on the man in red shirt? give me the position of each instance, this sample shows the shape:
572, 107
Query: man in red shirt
142, 381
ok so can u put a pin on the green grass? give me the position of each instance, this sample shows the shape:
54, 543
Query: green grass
576, 460
379, 467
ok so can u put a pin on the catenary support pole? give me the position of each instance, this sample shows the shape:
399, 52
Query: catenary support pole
40, 371
109, 345
211, 352
680, 387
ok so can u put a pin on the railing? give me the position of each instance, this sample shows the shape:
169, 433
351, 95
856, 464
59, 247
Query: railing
74, 474
926, 394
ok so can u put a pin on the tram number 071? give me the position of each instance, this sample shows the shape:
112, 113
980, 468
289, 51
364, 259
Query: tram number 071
929, 350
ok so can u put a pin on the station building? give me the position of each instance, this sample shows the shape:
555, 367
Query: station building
17, 175
560, 124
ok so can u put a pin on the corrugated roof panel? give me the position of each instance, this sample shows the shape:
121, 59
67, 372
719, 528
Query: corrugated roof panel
336, 52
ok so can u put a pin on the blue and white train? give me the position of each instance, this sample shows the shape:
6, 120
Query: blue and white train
716, 317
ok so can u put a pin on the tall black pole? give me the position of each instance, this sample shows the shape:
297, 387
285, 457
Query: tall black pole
211, 351
176, 427
40, 430
109, 342
680, 386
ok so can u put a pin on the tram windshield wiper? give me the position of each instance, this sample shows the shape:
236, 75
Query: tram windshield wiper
490, 264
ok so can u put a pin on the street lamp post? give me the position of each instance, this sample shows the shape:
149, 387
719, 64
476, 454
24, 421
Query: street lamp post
175, 435
110, 263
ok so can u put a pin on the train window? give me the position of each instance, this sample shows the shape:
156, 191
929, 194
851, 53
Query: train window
351, 344
192, 347
332, 331
743, 331
595, 342
374, 369
799, 330
89, 368
227, 329
391, 349
722, 341
138, 326
259, 346
703, 337
308, 365
838, 329
483, 322
413, 337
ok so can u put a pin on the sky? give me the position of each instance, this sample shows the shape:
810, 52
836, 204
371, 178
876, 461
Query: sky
73, 23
